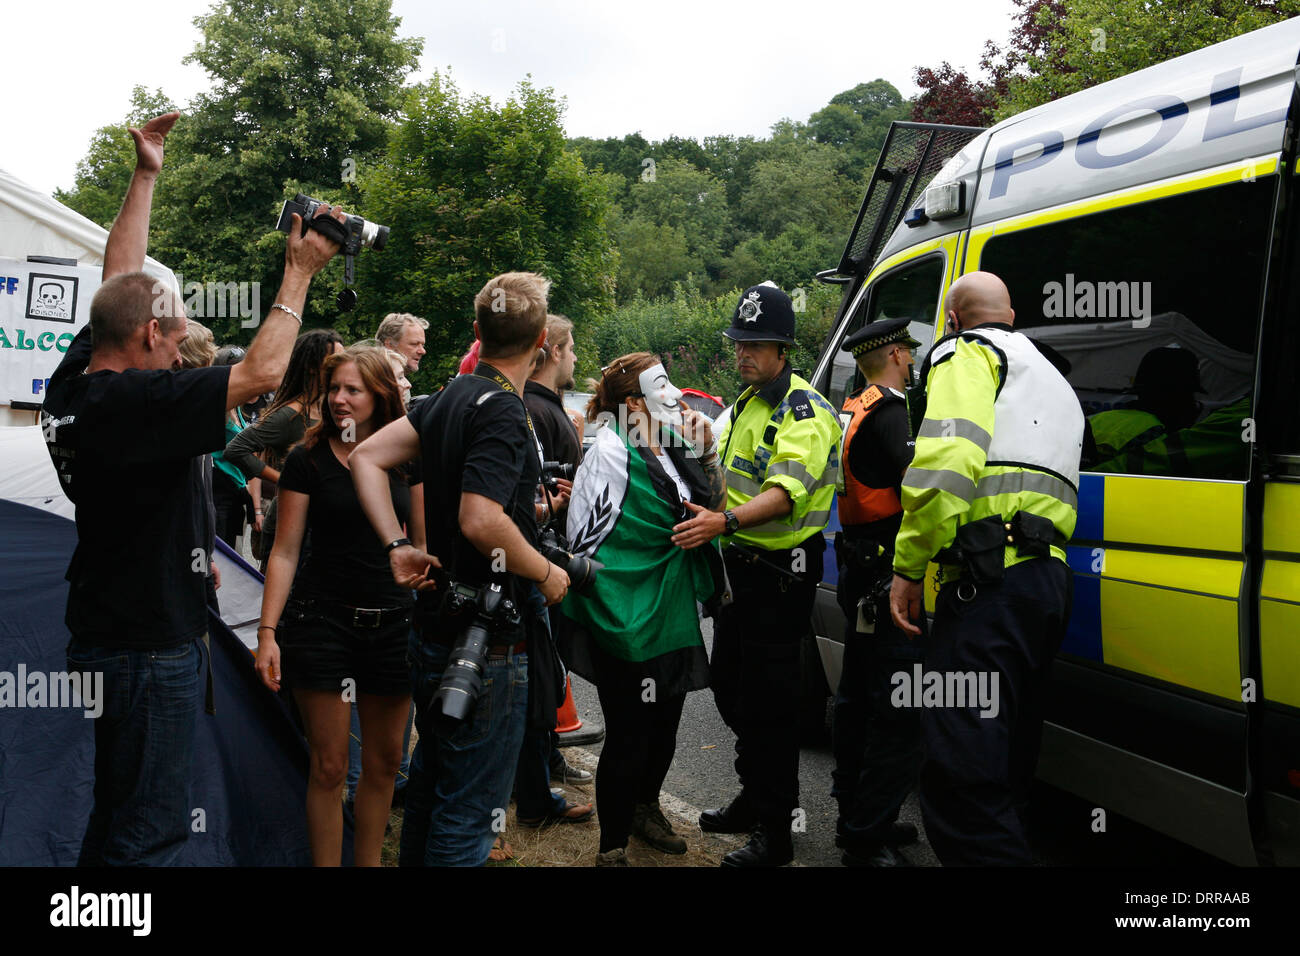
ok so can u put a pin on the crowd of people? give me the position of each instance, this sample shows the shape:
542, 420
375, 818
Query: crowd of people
418, 557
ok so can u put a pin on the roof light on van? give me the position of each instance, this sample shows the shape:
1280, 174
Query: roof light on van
945, 200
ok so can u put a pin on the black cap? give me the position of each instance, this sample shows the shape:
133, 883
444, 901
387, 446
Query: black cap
763, 314
878, 334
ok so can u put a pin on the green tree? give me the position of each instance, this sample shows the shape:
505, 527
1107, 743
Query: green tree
678, 195
472, 190
799, 186
302, 96
1100, 40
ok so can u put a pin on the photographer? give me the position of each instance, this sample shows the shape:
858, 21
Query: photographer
125, 433
561, 442
481, 472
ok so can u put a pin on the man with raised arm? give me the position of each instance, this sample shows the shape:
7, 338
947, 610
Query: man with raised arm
125, 431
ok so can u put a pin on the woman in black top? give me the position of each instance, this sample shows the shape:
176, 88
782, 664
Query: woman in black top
341, 634
295, 408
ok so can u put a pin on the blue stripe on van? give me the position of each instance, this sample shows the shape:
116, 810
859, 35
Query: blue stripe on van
1083, 636
1092, 500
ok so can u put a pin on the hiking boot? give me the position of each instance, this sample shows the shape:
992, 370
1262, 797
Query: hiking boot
615, 857
650, 824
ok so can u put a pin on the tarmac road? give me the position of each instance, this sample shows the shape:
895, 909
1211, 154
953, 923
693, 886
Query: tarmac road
703, 776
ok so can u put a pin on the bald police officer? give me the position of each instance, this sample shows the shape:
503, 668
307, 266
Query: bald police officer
780, 455
877, 746
992, 495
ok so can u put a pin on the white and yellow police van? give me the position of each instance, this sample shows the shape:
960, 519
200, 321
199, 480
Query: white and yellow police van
1154, 212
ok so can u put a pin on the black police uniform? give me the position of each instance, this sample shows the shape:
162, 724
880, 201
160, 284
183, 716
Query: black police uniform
877, 746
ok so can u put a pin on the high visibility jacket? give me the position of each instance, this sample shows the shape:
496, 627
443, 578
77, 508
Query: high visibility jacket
1118, 429
860, 503
1218, 446
782, 435
1002, 433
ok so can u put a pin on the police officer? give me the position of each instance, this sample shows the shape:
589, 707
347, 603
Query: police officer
877, 746
780, 455
992, 495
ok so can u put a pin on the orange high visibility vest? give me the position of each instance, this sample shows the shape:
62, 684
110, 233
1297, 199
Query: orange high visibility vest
859, 503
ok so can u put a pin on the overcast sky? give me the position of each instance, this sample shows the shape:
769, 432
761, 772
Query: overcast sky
664, 67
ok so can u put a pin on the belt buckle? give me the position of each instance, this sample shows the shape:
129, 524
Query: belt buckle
367, 617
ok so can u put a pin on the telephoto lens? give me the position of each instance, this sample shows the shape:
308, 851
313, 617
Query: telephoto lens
462, 681
580, 569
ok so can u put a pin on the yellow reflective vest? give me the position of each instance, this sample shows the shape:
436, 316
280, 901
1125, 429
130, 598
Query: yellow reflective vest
782, 435
1002, 433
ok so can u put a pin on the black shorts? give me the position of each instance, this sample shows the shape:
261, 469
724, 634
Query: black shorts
321, 648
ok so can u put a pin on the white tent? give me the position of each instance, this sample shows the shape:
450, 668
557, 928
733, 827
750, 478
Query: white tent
34, 224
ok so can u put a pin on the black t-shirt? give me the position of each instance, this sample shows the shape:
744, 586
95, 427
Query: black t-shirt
127, 448
347, 564
554, 427
474, 437
882, 448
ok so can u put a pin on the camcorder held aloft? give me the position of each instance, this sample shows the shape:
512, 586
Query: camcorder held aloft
488, 611
353, 234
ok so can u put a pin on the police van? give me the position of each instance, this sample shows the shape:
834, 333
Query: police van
1152, 214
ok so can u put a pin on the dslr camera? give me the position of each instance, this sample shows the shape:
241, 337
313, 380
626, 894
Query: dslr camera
488, 610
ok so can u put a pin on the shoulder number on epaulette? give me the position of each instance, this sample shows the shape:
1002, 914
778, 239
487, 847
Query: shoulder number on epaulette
801, 406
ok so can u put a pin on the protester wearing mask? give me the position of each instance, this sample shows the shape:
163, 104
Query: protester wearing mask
637, 626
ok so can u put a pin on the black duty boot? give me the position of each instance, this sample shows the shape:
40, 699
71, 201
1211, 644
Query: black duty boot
882, 854
769, 846
736, 817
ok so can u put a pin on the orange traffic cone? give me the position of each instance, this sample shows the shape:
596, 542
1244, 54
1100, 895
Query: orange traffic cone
566, 717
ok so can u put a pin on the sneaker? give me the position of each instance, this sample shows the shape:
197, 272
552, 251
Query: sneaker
562, 772
650, 824
615, 857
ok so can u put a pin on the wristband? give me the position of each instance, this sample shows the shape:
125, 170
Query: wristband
284, 308
267, 627
400, 542
548, 573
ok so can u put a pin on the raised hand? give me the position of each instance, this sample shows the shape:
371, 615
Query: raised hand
149, 142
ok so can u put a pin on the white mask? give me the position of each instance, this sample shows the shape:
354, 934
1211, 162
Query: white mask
661, 396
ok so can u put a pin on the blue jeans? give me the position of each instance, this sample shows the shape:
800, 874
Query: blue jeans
144, 752
459, 787
533, 797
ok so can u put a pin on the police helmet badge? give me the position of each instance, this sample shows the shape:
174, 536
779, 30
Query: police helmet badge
751, 307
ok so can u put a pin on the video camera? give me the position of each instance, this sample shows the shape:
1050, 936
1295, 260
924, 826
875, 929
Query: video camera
353, 234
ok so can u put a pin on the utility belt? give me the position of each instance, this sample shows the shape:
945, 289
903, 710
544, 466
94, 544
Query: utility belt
979, 548
872, 556
779, 564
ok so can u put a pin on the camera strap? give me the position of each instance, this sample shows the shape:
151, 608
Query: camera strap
327, 226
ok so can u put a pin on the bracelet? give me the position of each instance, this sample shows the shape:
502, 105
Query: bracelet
267, 627
258, 513
284, 308
548, 573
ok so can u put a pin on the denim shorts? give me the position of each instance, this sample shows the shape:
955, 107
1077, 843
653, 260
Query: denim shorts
321, 647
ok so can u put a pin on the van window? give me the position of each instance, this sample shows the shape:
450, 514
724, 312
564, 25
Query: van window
913, 291
1156, 308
